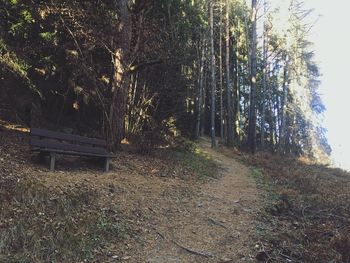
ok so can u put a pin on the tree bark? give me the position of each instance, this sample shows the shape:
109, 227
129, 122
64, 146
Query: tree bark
120, 83
228, 84
264, 86
222, 119
236, 93
200, 89
252, 107
282, 130
205, 91
213, 80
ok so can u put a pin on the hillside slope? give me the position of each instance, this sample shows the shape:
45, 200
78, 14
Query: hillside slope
306, 208
172, 206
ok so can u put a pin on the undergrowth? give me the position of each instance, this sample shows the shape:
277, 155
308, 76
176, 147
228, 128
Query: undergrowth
197, 162
307, 210
51, 225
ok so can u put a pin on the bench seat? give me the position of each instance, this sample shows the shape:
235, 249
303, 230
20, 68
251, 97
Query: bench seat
52, 143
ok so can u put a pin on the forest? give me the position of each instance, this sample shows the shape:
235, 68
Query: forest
147, 70
211, 112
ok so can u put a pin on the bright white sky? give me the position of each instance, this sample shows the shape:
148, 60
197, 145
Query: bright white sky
331, 36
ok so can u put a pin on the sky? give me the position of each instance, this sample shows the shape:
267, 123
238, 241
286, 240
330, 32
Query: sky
331, 36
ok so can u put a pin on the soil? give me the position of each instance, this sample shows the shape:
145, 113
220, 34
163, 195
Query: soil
173, 219
215, 224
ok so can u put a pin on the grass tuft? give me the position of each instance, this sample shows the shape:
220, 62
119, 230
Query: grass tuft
198, 163
50, 225
307, 209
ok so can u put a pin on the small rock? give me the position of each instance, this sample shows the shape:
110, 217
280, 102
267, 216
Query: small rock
262, 256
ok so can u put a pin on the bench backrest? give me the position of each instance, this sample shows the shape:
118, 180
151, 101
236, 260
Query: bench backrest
66, 142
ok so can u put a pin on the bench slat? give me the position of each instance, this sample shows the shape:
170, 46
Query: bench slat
67, 137
49, 144
51, 150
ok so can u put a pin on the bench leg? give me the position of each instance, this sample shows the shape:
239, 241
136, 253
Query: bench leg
52, 161
106, 168
42, 157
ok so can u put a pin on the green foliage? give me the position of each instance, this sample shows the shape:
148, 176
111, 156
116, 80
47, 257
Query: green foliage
198, 162
63, 47
47, 36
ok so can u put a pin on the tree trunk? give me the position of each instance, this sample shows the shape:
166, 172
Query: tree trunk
282, 131
213, 80
228, 80
264, 86
222, 120
252, 107
272, 124
204, 92
200, 89
236, 92
120, 81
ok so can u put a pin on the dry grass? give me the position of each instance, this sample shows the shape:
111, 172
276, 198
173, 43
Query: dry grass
307, 209
78, 213
40, 224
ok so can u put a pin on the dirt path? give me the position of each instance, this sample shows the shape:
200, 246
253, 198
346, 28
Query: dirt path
172, 219
216, 224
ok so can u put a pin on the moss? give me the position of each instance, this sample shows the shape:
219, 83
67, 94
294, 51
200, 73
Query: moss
196, 162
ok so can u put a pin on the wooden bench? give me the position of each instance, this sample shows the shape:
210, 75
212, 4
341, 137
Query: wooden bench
52, 143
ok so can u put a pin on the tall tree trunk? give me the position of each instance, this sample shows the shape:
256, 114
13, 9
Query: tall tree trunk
204, 113
264, 86
222, 119
236, 87
252, 107
213, 80
228, 80
200, 89
120, 81
277, 113
236, 92
271, 122
282, 130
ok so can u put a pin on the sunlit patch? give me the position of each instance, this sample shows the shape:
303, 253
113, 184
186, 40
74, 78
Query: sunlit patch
13, 127
76, 105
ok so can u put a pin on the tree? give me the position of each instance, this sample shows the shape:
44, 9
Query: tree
222, 119
200, 94
213, 78
252, 107
264, 84
120, 81
229, 105
284, 99
162, 77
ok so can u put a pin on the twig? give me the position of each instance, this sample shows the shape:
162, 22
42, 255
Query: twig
198, 253
265, 252
216, 222
202, 254
160, 234
285, 256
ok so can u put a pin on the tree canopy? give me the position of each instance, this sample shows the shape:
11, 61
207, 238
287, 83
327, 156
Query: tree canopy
147, 70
